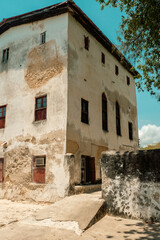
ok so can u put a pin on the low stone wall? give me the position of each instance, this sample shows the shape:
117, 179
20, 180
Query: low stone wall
131, 183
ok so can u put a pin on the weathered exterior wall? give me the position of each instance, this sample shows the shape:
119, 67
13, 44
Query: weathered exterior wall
64, 71
131, 183
34, 70
88, 79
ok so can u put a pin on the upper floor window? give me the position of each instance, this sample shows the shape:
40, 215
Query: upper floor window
86, 42
103, 58
2, 116
41, 108
128, 80
130, 130
84, 111
104, 113
118, 121
38, 169
43, 38
5, 56
116, 70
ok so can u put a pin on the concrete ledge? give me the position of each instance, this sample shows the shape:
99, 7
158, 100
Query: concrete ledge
84, 209
87, 188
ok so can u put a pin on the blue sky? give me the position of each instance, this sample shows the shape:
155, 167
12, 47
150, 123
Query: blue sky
108, 21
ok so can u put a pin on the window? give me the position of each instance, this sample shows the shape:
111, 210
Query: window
128, 81
118, 123
38, 169
41, 108
43, 38
103, 58
2, 116
104, 113
130, 129
116, 70
84, 111
5, 56
1, 170
86, 43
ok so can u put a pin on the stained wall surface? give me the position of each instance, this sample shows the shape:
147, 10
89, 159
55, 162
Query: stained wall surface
131, 183
34, 70
66, 72
89, 78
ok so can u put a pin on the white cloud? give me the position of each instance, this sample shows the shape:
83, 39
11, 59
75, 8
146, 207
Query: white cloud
149, 134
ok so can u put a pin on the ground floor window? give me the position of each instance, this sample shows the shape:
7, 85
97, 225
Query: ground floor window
38, 169
1, 170
88, 170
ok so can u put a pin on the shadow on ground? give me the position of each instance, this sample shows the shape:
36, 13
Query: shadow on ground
145, 231
150, 231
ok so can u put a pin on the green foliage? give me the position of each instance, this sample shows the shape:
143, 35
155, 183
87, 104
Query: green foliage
140, 39
154, 146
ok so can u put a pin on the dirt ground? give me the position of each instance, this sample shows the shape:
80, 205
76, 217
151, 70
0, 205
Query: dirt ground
16, 223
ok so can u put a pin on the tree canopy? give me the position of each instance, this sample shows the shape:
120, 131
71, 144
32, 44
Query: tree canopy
140, 39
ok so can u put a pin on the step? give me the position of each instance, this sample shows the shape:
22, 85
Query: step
87, 188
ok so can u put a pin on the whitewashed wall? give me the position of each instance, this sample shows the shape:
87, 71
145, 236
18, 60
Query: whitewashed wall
34, 70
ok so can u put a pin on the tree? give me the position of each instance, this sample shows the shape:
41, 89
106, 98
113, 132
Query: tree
140, 39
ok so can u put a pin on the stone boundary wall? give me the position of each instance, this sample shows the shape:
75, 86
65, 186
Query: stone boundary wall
131, 183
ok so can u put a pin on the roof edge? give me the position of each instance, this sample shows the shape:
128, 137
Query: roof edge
79, 15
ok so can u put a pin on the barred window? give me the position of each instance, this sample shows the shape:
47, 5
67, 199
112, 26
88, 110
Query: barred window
43, 38
5, 56
104, 113
84, 111
118, 121
86, 42
103, 58
128, 80
116, 70
130, 130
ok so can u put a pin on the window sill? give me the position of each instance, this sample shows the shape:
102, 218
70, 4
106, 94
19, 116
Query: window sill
85, 123
39, 122
119, 135
35, 184
105, 131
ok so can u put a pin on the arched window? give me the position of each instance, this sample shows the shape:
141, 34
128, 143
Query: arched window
104, 113
118, 120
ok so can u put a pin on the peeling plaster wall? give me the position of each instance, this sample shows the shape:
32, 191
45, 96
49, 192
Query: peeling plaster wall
34, 70
88, 79
131, 183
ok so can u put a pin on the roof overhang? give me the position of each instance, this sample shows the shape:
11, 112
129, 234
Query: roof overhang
68, 7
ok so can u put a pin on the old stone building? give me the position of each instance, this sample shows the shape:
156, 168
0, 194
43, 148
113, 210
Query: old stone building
66, 95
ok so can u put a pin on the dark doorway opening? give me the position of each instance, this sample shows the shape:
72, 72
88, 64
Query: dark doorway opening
88, 170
